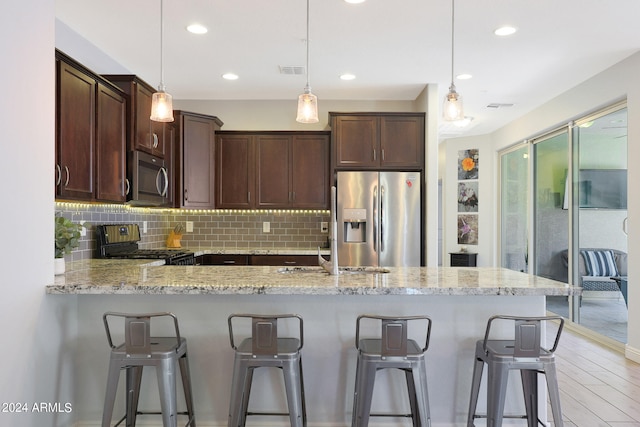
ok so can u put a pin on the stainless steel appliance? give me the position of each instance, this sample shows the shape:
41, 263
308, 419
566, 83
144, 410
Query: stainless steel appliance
149, 179
121, 241
379, 218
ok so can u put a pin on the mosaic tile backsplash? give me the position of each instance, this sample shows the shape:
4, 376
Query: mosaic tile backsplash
211, 228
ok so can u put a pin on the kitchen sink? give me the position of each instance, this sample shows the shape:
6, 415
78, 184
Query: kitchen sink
342, 270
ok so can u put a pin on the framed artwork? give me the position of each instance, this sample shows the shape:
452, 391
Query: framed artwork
467, 229
468, 164
468, 196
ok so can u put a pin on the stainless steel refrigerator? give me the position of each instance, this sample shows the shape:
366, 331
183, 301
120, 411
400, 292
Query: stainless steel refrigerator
378, 219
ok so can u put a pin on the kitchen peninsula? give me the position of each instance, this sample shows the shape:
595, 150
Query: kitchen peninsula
458, 299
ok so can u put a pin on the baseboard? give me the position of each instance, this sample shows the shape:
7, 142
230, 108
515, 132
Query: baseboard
632, 353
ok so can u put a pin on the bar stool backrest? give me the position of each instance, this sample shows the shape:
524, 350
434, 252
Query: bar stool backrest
264, 332
394, 337
527, 334
527, 338
265, 335
137, 336
394, 333
137, 332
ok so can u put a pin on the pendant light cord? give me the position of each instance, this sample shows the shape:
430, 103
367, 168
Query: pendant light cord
161, 45
308, 87
452, 37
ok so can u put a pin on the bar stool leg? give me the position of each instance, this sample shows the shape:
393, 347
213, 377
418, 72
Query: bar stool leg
478, 367
186, 385
554, 393
356, 392
238, 389
530, 393
413, 401
246, 395
134, 379
496, 393
166, 374
302, 397
421, 393
294, 393
110, 396
367, 380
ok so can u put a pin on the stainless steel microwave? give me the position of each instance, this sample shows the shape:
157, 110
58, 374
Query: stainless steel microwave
149, 180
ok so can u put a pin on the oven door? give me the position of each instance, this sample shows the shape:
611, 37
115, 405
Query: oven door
149, 180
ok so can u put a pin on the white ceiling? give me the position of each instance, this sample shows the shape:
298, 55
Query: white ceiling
394, 47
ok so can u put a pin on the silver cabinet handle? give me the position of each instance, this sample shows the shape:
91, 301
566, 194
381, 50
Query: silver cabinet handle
383, 154
127, 186
624, 225
228, 261
166, 182
186, 196
158, 181
374, 154
66, 169
154, 144
249, 196
59, 175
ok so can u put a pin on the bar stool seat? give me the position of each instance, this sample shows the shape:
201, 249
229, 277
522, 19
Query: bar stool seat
391, 351
524, 353
266, 349
140, 350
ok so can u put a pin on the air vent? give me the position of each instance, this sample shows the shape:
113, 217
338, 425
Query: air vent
498, 105
292, 69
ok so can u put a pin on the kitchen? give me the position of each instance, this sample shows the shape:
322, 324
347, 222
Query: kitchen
30, 312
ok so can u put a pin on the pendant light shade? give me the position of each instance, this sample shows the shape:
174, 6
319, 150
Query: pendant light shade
452, 107
307, 102
307, 107
161, 102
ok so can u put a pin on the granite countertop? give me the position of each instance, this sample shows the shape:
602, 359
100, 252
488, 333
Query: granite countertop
101, 276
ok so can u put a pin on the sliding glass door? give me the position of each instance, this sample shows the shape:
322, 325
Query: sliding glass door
564, 193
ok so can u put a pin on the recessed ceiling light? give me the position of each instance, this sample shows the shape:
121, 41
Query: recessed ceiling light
347, 76
230, 76
464, 76
197, 29
355, 1
505, 31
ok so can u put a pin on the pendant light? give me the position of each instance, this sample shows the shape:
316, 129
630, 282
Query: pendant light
307, 102
452, 107
161, 102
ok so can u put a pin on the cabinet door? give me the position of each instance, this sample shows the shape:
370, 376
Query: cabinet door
310, 171
110, 145
148, 134
273, 178
401, 141
284, 260
170, 138
76, 133
235, 172
198, 162
356, 141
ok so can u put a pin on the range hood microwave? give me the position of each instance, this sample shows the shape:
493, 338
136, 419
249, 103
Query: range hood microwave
149, 178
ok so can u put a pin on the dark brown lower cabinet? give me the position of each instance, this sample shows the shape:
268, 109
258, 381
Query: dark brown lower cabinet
273, 260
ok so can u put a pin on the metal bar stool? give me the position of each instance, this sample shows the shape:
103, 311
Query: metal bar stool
140, 349
265, 349
525, 353
392, 350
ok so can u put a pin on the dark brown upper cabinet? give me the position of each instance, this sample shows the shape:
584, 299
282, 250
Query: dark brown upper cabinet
272, 170
144, 134
386, 141
90, 135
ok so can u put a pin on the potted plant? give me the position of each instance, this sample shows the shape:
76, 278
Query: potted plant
67, 238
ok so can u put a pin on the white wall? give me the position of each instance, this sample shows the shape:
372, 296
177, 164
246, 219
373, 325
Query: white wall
38, 331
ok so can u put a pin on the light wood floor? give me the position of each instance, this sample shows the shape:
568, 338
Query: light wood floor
598, 386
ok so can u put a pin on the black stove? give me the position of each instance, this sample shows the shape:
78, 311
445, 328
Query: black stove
121, 241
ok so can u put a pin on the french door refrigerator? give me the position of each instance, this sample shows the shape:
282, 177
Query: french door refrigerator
378, 219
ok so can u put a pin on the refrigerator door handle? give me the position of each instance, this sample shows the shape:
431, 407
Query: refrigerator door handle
374, 209
382, 218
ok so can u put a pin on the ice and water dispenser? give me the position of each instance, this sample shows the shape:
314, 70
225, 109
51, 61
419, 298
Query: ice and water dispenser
354, 225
